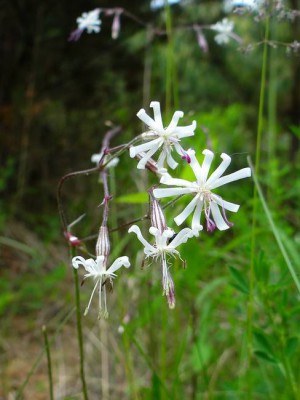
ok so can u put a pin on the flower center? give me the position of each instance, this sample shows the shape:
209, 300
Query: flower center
205, 194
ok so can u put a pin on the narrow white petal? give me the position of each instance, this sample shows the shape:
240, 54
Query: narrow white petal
171, 162
118, 263
168, 180
185, 131
154, 231
217, 217
134, 150
157, 114
181, 237
196, 225
225, 204
160, 193
220, 170
137, 231
78, 260
143, 116
147, 156
242, 173
174, 121
96, 158
187, 211
195, 165
208, 157
111, 164
161, 160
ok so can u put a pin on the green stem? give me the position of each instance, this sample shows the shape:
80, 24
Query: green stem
272, 106
79, 328
171, 75
19, 394
255, 200
274, 230
47, 349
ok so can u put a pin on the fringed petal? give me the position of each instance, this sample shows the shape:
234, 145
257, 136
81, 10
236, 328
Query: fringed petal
235, 176
220, 170
187, 211
218, 218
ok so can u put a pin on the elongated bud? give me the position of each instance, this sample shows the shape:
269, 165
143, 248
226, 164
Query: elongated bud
103, 244
116, 25
156, 213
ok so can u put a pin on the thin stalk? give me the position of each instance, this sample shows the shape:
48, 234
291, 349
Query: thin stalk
255, 200
129, 368
79, 328
276, 234
171, 75
47, 349
19, 394
272, 106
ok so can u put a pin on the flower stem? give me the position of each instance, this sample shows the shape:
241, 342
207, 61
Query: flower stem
171, 76
255, 199
79, 328
47, 349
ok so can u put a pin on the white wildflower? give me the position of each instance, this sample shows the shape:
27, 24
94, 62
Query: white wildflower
160, 137
224, 29
251, 5
201, 189
89, 21
97, 269
165, 246
111, 164
156, 4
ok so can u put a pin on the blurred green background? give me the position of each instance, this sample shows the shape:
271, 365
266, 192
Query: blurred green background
57, 100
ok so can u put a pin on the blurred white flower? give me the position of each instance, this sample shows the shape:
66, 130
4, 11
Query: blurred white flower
165, 245
160, 137
155, 4
89, 21
201, 189
252, 5
98, 156
224, 29
96, 269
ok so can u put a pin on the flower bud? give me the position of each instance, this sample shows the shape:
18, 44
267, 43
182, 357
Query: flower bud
156, 213
103, 244
73, 240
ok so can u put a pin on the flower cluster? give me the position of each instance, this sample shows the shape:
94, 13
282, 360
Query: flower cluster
163, 247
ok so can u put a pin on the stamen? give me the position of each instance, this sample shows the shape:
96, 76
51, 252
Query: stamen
210, 225
88, 306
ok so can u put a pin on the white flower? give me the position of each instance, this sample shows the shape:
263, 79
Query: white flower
111, 164
96, 269
202, 188
252, 5
155, 4
90, 21
165, 245
225, 28
165, 138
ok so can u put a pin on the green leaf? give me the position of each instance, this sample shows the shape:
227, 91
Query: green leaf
291, 346
239, 281
263, 343
265, 356
261, 268
133, 198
